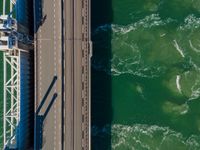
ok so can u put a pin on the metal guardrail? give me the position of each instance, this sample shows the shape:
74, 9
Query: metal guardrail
86, 56
11, 59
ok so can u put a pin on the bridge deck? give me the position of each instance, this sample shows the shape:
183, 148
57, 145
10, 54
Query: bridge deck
62, 60
48, 74
77, 74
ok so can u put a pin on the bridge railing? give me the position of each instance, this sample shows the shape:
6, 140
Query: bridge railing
11, 97
11, 60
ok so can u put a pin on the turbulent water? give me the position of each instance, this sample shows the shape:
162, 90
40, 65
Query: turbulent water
146, 75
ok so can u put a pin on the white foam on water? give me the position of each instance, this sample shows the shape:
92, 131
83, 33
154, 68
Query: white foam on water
134, 67
178, 48
195, 90
148, 137
191, 62
133, 63
193, 48
178, 86
185, 108
128, 64
175, 109
162, 35
147, 22
190, 22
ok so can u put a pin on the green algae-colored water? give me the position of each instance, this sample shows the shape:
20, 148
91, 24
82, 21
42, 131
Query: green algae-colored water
146, 75
1, 99
1, 79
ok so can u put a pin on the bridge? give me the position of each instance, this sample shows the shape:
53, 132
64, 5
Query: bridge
16, 46
62, 52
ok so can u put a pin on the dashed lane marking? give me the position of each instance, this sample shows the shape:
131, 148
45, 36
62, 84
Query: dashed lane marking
54, 32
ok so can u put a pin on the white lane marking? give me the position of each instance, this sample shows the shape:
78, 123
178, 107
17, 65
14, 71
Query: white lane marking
54, 34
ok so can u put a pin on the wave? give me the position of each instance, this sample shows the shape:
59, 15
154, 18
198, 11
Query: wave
132, 65
178, 77
153, 20
190, 22
193, 48
137, 69
188, 82
127, 59
147, 137
147, 22
195, 91
178, 48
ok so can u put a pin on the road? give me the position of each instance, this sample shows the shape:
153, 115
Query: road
48, 75
62, 75
76, 24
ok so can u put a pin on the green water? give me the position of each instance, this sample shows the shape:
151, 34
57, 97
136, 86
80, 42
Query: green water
1, 99
1, 89
146, 75
1, 79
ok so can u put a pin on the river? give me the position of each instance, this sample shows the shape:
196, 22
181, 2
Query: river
146, 75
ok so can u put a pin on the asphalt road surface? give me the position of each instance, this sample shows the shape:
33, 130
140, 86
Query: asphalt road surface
48, 52
76, 20
62, 56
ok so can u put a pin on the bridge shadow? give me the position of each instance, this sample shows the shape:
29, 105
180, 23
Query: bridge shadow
40, 17
40, 118
101, 104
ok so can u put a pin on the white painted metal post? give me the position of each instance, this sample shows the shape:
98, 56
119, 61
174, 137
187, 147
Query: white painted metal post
12, 91
4, 7
11, 59
11, 6
19, 90
5, 97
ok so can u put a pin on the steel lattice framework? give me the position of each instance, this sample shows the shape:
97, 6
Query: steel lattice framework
11, 60
11, 96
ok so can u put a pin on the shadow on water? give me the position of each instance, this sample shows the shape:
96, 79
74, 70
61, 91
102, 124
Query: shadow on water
101, 80
40, 117
25, 18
